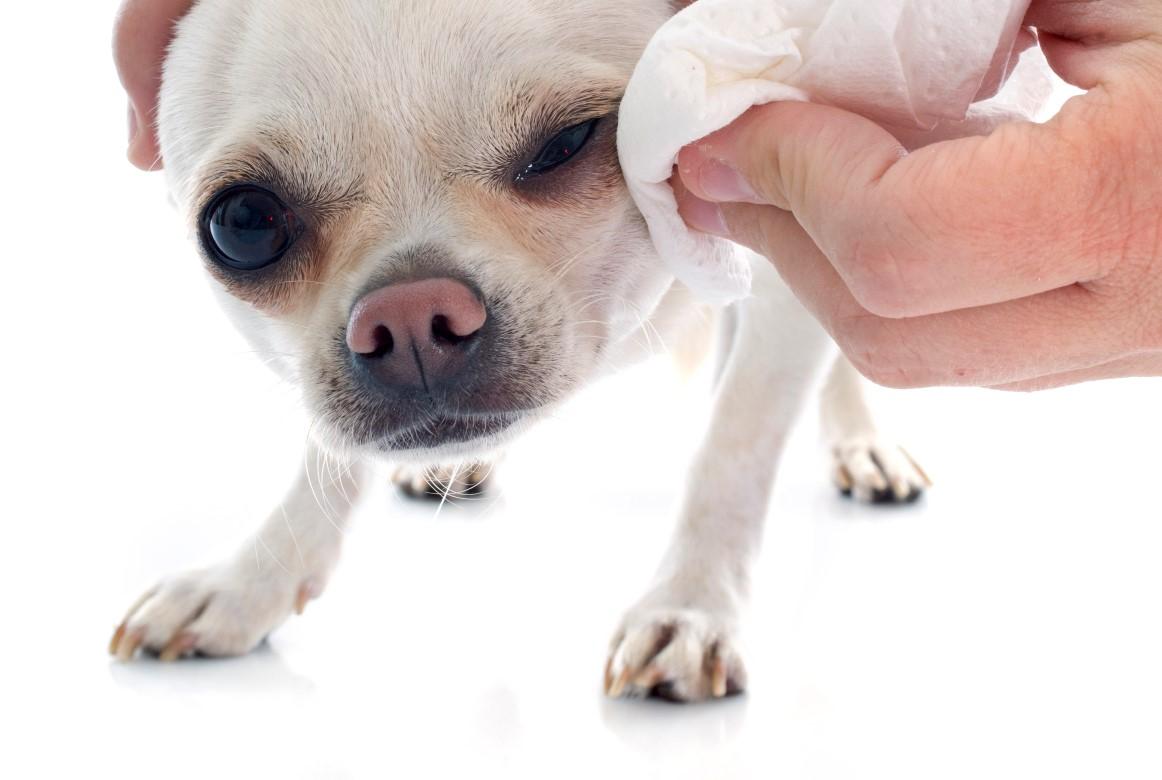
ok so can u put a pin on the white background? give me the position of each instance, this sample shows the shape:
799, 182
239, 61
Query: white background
1006, 627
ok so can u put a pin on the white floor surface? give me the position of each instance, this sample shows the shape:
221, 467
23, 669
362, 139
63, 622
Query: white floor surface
1007, 627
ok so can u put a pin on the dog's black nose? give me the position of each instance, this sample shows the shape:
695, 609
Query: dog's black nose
417, 336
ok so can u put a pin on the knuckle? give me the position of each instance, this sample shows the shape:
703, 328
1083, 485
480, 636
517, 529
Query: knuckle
891, 375
885, 353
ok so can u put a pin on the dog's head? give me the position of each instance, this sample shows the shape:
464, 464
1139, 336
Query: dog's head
415, 206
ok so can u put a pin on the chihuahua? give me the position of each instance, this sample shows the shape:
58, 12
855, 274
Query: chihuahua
417, 206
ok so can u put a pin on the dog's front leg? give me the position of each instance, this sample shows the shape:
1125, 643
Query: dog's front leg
679, 641
229, 608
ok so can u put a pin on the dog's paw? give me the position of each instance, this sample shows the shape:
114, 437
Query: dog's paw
443, 483
219, 612
680, 655
876, 471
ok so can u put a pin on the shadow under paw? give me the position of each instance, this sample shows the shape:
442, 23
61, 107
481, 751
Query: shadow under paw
885, 497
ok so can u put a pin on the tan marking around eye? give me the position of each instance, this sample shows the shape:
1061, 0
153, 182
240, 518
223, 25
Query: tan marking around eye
313, 272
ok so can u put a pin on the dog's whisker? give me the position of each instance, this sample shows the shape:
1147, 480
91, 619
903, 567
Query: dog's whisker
588, 302
447, 490
269, 360
320, 494
567, 265
342, 477
657, 334
326, 471
323, 469
311, 483
644, 325
294, 538
272, 352
270, 552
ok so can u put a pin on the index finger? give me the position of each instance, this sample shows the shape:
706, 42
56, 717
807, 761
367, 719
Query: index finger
1063, 330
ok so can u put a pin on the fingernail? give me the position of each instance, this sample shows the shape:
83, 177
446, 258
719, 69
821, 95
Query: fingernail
718, 181
704, 216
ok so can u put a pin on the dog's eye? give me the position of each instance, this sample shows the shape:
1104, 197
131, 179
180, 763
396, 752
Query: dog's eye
560, 149
249, 228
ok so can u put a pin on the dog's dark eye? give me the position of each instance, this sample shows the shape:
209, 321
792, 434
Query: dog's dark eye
562, 148
249, 228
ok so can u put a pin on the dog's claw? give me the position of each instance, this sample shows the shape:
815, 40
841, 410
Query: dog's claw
118, 637
718, 685
119, 634
919, 469
876, 471
843, 479
620, 684
221, 612
178, 647
129, 644
649, 677
680, 655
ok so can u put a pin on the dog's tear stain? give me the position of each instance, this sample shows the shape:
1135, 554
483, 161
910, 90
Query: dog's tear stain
326, 209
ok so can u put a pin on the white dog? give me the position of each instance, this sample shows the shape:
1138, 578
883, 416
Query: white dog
417, 203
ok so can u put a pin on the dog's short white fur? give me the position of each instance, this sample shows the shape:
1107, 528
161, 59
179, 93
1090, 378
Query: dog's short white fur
393, 119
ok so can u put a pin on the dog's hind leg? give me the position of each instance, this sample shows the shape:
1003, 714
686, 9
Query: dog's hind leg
679, 641
865, 464
460, 483
227, 609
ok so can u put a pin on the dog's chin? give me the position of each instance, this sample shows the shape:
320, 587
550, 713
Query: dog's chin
447, 433
447, 438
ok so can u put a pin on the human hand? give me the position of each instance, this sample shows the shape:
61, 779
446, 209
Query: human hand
143, 31
1026, 259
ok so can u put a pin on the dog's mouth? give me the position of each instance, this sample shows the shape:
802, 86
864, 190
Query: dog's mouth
449, 430
431, 428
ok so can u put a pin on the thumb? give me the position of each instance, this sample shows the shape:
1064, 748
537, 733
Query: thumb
777, 236
759, 227
796, 156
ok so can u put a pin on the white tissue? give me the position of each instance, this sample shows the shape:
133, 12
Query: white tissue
914, 65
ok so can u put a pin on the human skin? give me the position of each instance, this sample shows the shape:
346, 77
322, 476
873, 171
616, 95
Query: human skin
1026, 259
143, 31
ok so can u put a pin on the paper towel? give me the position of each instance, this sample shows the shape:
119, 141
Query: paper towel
914, 65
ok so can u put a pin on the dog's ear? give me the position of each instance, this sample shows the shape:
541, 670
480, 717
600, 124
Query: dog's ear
142, 35
678, 5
